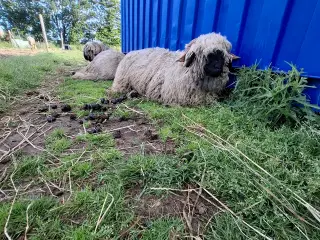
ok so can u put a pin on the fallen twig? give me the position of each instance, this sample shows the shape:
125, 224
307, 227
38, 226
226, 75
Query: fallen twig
27, 216
101, 217
12, 203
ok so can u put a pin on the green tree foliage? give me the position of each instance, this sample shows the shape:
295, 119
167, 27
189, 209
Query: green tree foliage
75, 19
23, 16
110, 31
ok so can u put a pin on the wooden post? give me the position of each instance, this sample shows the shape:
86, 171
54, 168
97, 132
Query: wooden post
62, 44
44, 34
11, 39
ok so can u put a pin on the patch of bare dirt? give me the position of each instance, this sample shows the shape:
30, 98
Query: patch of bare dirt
194, 206
36, 114
4, 53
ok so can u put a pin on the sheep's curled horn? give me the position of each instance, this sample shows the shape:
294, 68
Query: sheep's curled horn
187, 57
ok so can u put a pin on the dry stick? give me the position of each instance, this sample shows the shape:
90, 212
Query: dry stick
128, 229
12, 203
27, 216
286, 215
187, 216
3, 174
70, 187
202, 179
102, 217
6, 137
174, 189
289, 209
84, 129
115, 129
133, 110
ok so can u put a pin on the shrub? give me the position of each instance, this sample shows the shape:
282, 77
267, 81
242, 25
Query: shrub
273, 97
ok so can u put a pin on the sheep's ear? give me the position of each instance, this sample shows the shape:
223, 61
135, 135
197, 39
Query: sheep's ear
190, 56
182, 58
234, 57
186, 50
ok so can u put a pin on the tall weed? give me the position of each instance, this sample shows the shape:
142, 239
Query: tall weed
276, 98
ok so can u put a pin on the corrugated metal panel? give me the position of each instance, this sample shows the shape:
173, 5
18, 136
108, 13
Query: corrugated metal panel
259, 30
268, 31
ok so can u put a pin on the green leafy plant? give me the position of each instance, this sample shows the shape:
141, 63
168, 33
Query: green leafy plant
275, 97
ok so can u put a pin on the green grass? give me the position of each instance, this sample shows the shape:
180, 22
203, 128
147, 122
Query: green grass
263, 169
20, 73
4, 44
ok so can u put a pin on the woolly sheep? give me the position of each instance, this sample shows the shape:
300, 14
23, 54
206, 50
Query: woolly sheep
1, 33
193, 77
92, 49
32, 42
103, 66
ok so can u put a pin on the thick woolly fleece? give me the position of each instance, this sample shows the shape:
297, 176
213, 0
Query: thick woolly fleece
156, 74
103, 66
92, 49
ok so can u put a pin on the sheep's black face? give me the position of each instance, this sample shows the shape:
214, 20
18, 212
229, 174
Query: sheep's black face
89, 55
214, 65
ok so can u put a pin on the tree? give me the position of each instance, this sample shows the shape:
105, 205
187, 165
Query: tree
109, 32
23, 16
75, 19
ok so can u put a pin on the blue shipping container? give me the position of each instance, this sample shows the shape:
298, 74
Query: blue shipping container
268, 31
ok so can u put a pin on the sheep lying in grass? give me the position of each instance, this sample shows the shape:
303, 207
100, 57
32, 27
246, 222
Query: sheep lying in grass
103, 66
193, 77
32, 43
92, 49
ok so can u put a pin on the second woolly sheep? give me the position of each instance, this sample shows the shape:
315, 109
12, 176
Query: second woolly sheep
92, 49
103, 66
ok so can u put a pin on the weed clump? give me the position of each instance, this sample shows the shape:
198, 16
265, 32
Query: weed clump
274, 98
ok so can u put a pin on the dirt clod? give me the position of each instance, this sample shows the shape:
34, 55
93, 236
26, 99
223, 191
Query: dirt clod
32, 92
95, 129
92, 106
43, 108
80, 121
51, 119
54, 106
57, 192
44, 97
55, 114
73, 116
92, 116
116, 134
65, 108
119, 99
104, 101
149, 135
123, 118
5, 160
101, 118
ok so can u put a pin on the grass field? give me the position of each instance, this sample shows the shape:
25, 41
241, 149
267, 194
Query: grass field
19, 73
253, 156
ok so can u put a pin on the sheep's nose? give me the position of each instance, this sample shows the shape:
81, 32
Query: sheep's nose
213, 72
214, 66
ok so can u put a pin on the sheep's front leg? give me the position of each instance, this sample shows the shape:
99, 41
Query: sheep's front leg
121, 86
